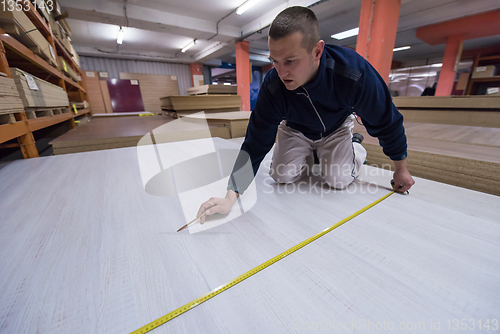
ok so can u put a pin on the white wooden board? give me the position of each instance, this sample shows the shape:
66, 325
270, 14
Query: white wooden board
91, 252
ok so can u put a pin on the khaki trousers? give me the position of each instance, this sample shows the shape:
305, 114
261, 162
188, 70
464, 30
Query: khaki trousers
340, 158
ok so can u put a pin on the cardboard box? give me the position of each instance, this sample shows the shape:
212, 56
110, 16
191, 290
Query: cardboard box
484, 72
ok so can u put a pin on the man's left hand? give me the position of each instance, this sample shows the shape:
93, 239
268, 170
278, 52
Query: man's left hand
402, 177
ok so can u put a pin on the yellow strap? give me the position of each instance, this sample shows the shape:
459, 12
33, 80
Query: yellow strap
222, 288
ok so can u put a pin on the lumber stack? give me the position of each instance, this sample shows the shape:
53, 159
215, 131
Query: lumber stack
153, 87
10, 102
483, 111
41, 93
185, 105
213, 89
17, 24
236, 121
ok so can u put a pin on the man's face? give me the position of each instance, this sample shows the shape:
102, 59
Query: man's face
295, 65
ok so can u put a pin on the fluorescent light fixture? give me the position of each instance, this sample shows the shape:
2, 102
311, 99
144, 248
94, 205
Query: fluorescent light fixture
215, 83
401, 48
119, 40
437, 65
209, 50
241, 9
184, 49
346, 34
227, 84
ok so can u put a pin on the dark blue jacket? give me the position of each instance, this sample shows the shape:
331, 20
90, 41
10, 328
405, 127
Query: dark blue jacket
345, 83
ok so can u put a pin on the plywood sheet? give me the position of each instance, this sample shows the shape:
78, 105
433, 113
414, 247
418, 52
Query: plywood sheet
105, 95
153, 87
125, 95
104, 255
109, 133
123, 114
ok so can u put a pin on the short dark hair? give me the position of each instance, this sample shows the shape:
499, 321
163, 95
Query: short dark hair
296, 19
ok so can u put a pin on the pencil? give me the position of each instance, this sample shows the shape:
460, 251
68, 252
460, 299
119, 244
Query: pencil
192, 221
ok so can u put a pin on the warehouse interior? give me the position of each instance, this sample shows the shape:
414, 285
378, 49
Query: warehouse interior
119, 118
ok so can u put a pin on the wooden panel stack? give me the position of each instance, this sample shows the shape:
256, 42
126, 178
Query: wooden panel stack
47, 95
481, 111
185, 105
17, 24
451, 139
213, 89
10, 102
153, 87
236, 121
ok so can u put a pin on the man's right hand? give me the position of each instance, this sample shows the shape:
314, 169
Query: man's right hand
218, 205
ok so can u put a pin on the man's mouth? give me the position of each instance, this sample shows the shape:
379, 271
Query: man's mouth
287, 81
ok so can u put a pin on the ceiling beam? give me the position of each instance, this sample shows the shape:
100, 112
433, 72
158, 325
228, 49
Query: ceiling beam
475, 26
149, 19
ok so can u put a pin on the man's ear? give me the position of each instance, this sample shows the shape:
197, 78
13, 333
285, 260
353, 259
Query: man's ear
318, 50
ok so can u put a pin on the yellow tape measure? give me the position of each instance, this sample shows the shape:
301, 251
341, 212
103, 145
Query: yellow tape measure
222, 288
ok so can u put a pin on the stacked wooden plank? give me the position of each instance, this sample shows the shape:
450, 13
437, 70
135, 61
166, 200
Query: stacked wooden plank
118, 132
458, 110
153, 87
35, 92
213, 89
10, 102
17, 24
185, 105
440, 150
236, 121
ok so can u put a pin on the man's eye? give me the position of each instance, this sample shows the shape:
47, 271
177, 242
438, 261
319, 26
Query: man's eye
290, 61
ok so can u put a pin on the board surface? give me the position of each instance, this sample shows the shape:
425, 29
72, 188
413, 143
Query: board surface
91, 252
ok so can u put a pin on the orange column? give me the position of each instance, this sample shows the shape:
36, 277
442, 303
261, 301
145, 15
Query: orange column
196, 69
452, 54
378, 25
243, 73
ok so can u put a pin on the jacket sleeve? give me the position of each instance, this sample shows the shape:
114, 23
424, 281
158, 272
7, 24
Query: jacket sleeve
372, 102
259, 139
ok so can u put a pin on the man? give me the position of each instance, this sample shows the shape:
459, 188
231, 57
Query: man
308, 99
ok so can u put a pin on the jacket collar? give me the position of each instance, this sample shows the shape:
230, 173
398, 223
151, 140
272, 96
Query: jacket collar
319, 80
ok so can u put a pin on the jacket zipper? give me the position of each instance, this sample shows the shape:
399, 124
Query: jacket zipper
307, 95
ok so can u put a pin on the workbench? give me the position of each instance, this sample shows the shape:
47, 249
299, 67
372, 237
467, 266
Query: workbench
90, 251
